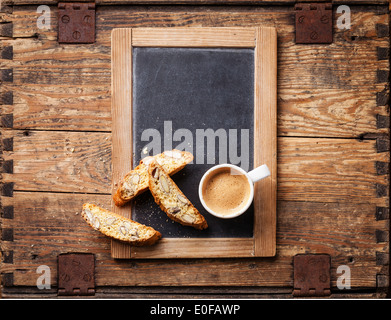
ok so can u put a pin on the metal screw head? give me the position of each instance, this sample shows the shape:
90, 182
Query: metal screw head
65, 19
323, 278
324, 19
65, 277
314, 35
76, 35
87, 19
74, 261
87, 277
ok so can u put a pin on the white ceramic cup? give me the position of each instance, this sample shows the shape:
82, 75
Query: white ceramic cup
253, 176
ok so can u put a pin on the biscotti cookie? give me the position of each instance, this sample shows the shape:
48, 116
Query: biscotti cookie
171, 199
118, 227
136, 181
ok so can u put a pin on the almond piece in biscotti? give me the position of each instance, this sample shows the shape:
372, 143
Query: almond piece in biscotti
164, 184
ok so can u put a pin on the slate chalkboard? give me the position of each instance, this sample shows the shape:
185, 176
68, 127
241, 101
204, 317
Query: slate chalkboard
178, 93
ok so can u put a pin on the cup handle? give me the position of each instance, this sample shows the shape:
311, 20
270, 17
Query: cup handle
259, 173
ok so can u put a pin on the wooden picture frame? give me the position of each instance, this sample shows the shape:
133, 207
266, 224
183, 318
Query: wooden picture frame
264, 42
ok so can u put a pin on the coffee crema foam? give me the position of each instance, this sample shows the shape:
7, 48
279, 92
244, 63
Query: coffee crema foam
226, 191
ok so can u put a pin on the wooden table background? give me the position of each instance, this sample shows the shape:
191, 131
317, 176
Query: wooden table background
333, 152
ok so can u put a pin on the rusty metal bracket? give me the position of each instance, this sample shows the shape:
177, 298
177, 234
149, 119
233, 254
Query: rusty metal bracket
76, 22
76, 274
314, 23
311, 275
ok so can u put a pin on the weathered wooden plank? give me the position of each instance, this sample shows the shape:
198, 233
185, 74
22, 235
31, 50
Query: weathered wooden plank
265, 141
345, 165
319, 112
49, 224
196, 37
122, 124
328, 113
309, 169
363, 21
317, 85
60, 161
187, 293
197, 2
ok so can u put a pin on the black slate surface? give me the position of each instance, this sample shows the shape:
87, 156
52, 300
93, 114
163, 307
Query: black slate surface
178, 93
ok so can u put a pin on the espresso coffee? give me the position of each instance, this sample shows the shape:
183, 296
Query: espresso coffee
226, 191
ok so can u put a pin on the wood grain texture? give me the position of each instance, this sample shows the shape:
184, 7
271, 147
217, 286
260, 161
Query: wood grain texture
121, 112
195, 2
346, 166
317, 86
194, 37
60, 161
50, 223
197, 248
309, 169
265, 141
